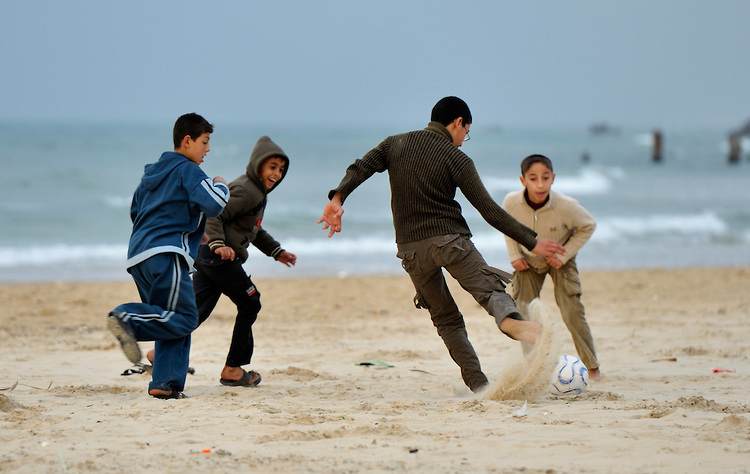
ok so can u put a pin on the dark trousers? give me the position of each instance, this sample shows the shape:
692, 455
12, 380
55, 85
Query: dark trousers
424, 262
214, 277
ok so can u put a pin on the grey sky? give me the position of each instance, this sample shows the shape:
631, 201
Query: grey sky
665, 63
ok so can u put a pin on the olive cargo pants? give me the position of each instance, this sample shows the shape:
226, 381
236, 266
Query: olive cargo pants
423, 261
527, 285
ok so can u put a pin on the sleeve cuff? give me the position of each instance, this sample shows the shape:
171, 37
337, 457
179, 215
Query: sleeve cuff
215, 244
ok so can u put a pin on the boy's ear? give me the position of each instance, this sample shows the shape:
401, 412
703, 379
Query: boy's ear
523, 181
185, 141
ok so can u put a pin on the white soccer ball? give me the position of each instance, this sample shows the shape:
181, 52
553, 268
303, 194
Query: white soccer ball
570, 376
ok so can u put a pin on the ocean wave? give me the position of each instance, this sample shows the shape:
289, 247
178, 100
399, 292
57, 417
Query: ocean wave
57, 254
118, 202
587, 181
338, 245
684, 227
696, 225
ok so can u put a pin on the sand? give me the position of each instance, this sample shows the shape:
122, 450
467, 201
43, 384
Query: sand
673, 345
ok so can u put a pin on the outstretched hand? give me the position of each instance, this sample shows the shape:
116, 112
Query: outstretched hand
287, 258
332, 215
548, 248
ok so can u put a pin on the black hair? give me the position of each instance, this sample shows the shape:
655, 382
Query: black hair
449, 109
190, 124
531, 159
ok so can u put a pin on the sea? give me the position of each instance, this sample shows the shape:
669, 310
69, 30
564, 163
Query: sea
67, 190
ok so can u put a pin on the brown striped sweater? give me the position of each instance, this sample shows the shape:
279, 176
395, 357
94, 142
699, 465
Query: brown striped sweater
425, 168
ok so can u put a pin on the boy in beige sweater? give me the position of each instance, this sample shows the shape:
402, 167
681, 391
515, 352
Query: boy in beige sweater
558, 217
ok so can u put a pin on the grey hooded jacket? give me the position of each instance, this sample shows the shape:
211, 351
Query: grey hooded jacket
240, 223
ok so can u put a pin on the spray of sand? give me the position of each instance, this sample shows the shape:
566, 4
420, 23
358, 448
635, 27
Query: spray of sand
527, 377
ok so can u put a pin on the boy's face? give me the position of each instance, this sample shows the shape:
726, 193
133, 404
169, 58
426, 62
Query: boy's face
538, 181
196, 150
272, 170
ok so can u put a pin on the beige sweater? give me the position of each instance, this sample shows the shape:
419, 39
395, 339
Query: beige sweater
562, 219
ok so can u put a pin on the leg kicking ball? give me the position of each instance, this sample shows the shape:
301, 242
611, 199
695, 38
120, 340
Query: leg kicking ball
570, 376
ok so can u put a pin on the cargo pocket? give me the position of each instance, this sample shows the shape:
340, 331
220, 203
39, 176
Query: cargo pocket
496, 276
455, 249
571, 283
409, 262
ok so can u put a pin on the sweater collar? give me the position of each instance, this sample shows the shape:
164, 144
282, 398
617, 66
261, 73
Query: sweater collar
535, 206
440, 129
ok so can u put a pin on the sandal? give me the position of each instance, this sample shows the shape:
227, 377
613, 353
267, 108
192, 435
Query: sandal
174, 394
249, 379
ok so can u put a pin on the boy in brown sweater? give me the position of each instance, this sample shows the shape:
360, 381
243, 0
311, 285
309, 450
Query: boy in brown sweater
425, 168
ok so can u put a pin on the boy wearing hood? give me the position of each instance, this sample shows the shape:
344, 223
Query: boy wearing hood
168, 211
219, 262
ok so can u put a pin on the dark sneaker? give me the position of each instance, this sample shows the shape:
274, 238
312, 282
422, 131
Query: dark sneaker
125, 336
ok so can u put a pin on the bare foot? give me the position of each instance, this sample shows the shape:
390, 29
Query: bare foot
232, 373
595, 375
524, 331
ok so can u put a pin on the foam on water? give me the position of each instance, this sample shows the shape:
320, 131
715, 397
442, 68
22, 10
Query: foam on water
58, 254
72, 190
587, 181
616, 228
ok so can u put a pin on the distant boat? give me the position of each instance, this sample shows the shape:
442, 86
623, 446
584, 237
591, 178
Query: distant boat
603, 128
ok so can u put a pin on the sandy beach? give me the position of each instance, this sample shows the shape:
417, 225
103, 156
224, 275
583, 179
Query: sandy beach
673, 345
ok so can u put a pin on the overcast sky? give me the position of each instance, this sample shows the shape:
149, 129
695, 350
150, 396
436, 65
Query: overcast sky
651, 63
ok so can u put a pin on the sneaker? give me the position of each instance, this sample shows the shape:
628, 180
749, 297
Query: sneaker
125, 336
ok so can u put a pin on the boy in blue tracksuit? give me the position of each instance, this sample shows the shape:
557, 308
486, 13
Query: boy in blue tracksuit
169, 212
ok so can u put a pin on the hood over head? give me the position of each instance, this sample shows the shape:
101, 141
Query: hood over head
265, 148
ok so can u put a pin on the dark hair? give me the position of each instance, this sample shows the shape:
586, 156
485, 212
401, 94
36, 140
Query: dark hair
449, 109
190, 124
531, 159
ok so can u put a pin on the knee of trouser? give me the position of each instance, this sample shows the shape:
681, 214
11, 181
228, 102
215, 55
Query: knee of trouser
191, 321
250, 305
448, 321
568, 282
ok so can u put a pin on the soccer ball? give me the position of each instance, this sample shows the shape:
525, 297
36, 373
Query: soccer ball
570, 376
